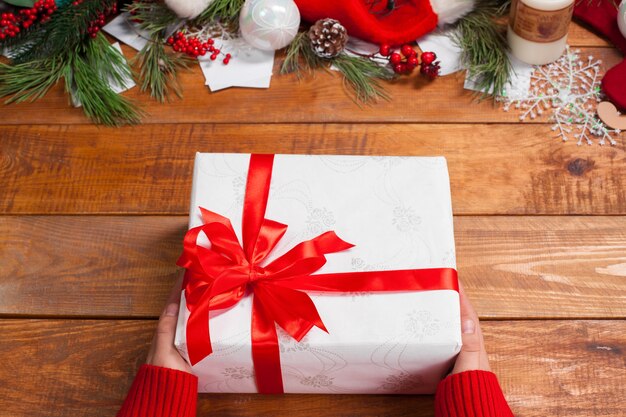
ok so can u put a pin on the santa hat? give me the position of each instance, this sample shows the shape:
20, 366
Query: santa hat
369, 19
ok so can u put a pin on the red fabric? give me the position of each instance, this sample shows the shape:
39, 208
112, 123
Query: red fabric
407, 22
161, 392
471, 394
601, 16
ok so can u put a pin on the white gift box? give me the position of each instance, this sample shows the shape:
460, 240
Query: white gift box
397, 212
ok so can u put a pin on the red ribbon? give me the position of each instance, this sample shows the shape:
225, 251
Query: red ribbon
218, 278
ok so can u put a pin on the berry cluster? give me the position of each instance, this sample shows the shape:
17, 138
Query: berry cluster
95, 25
405, 60
402, 62
11, 25
194, 47
429, 66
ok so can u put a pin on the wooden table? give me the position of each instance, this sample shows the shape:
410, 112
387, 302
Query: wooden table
92, 220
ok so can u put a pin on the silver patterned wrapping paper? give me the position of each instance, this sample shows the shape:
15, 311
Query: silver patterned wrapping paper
397, 212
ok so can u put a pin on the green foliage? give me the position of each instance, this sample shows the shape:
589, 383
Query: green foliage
66, 31
482, 39
30, 81
158, 70
361, 74
300, 56
153, 17
225, 10
86, 71
87, 77
21, 3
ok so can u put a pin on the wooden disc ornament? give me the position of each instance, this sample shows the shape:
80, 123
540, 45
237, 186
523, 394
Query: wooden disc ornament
610, 116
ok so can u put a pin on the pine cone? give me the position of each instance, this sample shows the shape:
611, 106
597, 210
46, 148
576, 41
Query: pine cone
328, 38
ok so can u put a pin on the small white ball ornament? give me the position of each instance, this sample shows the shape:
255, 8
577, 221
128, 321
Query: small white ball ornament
269, 24
188, 9
621, 18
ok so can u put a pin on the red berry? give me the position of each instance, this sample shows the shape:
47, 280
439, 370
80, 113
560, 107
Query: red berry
412, 62
407, 50
385, 49
431, 70
395, 58
428, 57
213, 56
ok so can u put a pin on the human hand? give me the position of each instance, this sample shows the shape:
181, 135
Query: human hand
163, 352
473, 355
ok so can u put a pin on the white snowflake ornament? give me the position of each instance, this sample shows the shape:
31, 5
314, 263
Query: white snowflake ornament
569, 88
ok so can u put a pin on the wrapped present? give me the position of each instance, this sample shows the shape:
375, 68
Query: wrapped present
319, 274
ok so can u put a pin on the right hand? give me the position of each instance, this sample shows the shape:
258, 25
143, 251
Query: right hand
473, 355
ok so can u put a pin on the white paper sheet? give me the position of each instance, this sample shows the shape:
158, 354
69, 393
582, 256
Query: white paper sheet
248, 67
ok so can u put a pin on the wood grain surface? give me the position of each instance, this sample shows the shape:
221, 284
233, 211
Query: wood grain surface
91, 222
512, 267
319, 99
84, 367
494, 169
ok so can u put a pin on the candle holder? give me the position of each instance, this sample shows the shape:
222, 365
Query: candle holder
537, 31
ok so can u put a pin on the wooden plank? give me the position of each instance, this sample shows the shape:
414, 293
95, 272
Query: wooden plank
321, 99
512, 267
83, 368
494, 169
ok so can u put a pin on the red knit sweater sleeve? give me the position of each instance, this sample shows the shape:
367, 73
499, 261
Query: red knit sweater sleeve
471, 394
161, 392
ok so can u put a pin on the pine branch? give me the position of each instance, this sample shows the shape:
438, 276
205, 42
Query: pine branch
300, 56
30, 81
484, 47
110, 64
158, 70
362, 76
66, 30
86, 75
225, 10
153, 17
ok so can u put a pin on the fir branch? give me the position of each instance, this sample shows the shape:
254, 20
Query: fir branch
484, 46
158, 70
362, 75
300, 56
225, 10
85, 79
30, 81
66, 31
110, 64
154, 17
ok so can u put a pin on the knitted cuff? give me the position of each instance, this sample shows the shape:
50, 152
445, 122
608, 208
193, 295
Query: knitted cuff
161, 392
471, 394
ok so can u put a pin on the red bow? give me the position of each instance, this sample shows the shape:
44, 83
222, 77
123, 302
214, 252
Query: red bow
218, 278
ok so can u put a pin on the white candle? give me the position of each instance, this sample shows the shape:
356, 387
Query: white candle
537, 30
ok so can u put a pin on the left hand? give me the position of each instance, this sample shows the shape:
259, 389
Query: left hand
163, 352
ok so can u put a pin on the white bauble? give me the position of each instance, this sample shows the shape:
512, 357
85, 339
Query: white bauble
188, 9
269, 24
621, 18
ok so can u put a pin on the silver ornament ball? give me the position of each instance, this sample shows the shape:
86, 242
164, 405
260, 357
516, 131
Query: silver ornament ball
269, 24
